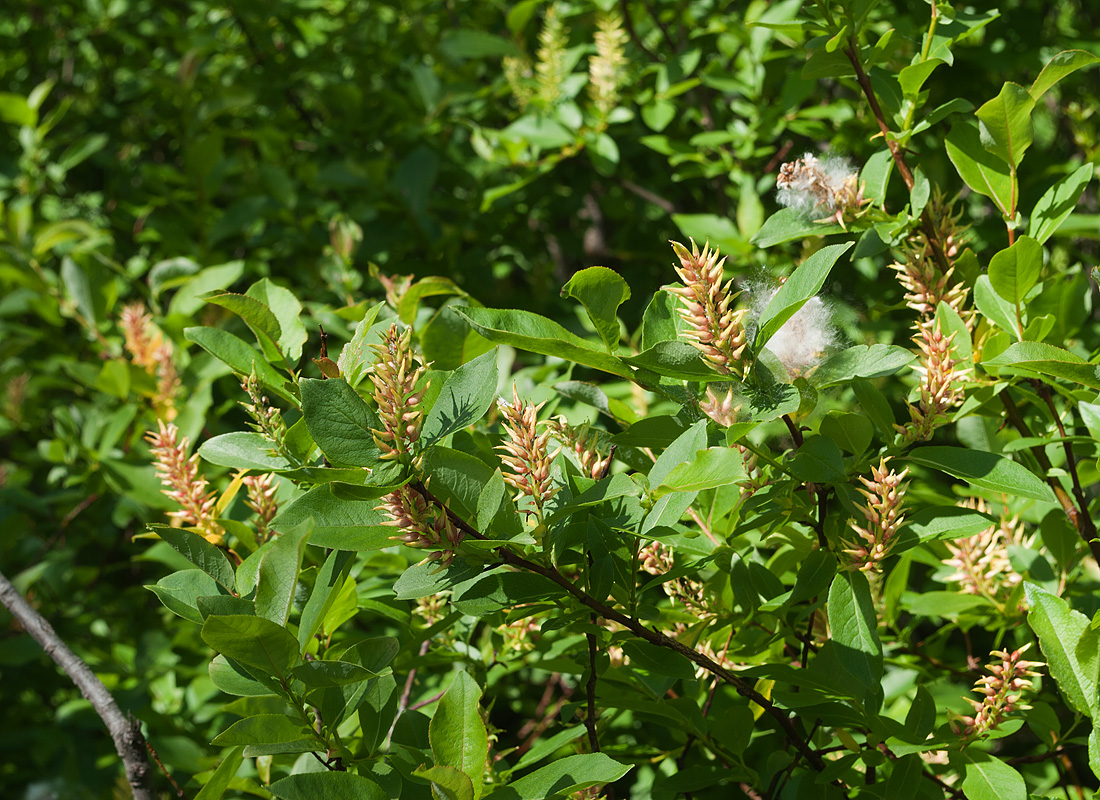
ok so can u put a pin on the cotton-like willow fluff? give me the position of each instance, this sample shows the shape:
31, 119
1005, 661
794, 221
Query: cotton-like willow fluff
827, 187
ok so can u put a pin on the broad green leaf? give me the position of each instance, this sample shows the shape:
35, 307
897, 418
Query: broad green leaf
662, 321
1060, 629
675, 359
989, 778
464, 399
563, 776
78, 287
854, 627
536, 334
1046, 359
428, 578
179, 591
875, 175
338, 524
227, 677
242, 450
788, 224
501, 588
852, 432
861, 361
982, 171
327, 674
683, 449
15, 110
601, 291
984, 470
1066, 62
1094, 751
259, 318
431, 286
708, 469
804, 283
241, 357
340, 422
278, 574
905, 778
548, 745
1005, 123
951, 323
253, 641
947, 522
457, 732
719, 232
814, 576
1015, 270
1058, 202
190, 297
819, 460
288, 311
448, 783
457, 478
912, 77
210, 559
216, 785
330, 580
948, 605
875, 406
265, 729
327, 786
994, 307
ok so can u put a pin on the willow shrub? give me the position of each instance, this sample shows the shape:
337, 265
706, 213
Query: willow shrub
728, 552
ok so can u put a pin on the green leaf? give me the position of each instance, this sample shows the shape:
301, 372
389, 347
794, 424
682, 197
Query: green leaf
338, 523
819, 460
1015, 270
947, 522
949, 605
994, 307
448, 783
15, 110
227, 677
340, 422
1005, 123
259, 318
242, 450
217, 783
536, 334
328, 674
814, 576
788, 224
861, 361
190, 297
457, 477
982, 171
241, 357
288, 311
601, 291
79, 288
253, 641
683, 449
431, 286
1066, 62
804, 283
327, 786
719, 232
1058, 202
675, 359
265, 729
984, 470
912, 77
562, 777
210, 559
875, 175
326, 587
989, 778
852, 432
457, 732
464, 399
1060, 629
278, 574
179, 591
854, 628
1046, 359
709, 469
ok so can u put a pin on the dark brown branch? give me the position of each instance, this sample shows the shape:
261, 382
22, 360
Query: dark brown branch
125, 731
1080, 519
742, 686
1089, 529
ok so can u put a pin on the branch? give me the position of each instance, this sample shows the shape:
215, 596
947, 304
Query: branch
125, 731
742, 686
1085, 526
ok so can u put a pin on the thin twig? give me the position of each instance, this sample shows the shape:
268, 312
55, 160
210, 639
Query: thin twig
1071, 462
125, 731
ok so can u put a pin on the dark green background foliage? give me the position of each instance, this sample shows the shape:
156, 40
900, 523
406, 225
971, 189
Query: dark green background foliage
156, 151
